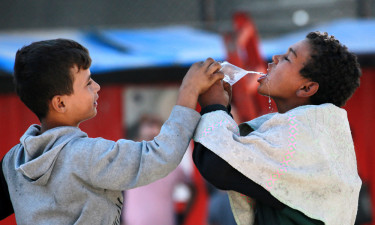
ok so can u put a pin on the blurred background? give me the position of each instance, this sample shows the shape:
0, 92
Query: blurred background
141, 50
272, 17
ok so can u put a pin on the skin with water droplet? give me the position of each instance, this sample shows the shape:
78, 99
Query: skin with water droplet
269, 95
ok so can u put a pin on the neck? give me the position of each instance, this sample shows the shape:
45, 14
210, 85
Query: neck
47, 124
284, 106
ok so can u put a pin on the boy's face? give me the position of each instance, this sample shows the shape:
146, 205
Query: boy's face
81, 105
284, 78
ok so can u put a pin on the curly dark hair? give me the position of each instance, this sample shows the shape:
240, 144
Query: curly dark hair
333, 67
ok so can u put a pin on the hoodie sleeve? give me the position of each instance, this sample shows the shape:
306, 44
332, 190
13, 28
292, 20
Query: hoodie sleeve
127, 164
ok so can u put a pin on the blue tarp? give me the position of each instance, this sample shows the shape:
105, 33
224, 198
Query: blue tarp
357, 34
122, 49
116, 49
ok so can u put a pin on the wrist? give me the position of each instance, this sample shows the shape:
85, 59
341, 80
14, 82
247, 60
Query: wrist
188, 97
189, 90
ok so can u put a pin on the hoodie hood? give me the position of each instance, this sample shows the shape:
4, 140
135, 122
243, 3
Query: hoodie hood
37, 152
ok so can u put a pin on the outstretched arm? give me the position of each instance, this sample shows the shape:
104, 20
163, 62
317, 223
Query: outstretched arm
127, 164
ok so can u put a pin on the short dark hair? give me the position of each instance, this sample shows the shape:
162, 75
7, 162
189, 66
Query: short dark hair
42, 70
333, 67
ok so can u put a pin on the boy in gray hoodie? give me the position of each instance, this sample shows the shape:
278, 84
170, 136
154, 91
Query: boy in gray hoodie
57, 174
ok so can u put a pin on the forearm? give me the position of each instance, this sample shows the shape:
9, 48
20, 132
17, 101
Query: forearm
187, 97
127, 164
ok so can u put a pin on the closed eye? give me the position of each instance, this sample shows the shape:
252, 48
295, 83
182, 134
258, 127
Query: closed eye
286, 58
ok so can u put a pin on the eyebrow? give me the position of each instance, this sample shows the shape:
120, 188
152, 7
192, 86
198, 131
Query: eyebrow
294, 52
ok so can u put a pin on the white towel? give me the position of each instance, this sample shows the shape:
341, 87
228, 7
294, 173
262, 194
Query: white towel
305, 158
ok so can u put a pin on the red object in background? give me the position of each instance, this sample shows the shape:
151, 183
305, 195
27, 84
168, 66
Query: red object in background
199, 211
15, 118
243, 51
361, 111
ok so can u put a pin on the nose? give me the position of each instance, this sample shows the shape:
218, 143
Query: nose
97, 86
275, 58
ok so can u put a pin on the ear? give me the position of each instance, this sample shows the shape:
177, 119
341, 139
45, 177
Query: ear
58, 103
308, 89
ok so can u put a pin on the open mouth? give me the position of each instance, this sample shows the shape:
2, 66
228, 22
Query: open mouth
263, 77
96, 101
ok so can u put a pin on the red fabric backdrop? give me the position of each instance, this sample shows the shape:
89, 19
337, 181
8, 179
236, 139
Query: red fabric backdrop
361, 111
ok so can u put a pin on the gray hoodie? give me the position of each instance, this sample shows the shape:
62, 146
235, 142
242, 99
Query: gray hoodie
64, 177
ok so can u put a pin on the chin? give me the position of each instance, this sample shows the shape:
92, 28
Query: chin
261, 92
91, 116
94, 114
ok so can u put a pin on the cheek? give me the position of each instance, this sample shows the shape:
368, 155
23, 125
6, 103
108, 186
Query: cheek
278, 85
285, 74
276, 81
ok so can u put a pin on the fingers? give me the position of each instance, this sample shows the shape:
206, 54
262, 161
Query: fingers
211, 66
208, 62
203, 75
217, 76
214, 69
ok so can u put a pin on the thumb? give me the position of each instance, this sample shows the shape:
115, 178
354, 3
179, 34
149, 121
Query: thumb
228, 89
